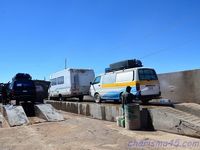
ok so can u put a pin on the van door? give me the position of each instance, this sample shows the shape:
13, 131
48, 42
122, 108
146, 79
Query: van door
95, 86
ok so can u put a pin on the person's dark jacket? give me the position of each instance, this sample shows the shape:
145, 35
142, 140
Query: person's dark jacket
127, 98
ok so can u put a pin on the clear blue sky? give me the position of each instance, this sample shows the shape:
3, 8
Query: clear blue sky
37, 35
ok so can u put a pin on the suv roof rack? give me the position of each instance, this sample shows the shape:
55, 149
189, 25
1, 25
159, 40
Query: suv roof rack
22, 76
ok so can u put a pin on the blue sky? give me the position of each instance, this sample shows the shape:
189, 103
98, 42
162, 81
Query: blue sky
37, 35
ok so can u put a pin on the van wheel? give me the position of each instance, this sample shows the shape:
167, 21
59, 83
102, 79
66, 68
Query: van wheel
60, 98
97, 98
81, 98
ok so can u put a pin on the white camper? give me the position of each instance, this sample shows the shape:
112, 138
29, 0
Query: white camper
70, 83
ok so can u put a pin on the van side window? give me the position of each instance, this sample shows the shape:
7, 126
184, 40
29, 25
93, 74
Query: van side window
108, 78
97, 80
125, 76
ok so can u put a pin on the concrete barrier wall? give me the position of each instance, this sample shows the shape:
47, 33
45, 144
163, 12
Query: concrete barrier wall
107, 112
181, 86
103, 111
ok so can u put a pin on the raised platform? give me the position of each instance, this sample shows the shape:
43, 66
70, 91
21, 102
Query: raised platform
157, 117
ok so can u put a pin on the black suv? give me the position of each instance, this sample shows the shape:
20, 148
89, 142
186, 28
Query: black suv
22, 88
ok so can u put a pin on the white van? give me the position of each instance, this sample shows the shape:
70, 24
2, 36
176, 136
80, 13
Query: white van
110, 86
70, 83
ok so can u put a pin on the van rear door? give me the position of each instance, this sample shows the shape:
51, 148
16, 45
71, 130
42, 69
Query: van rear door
148, 80
74, 82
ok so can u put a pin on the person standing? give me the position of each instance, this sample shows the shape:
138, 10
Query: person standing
4, 94
127, 98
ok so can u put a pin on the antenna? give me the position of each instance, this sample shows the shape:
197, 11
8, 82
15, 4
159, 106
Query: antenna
65, 63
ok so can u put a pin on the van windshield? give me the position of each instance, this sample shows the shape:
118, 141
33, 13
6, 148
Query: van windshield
147, 74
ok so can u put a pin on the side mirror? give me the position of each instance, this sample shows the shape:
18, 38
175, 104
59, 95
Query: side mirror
91, 83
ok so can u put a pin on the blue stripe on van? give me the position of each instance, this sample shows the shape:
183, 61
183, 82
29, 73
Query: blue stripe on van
115, 95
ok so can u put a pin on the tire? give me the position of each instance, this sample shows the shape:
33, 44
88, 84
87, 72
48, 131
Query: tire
60, 98
81, 98
97, 98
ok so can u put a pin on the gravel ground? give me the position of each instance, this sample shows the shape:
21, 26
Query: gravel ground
81, 133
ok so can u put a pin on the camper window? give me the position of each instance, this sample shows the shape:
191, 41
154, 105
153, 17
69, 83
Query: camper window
53, 81
60, 80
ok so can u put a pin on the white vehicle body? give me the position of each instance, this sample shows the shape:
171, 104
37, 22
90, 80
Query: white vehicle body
110, 86
70, 83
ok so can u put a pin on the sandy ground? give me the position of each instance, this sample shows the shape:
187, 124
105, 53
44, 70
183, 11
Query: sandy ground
81, 133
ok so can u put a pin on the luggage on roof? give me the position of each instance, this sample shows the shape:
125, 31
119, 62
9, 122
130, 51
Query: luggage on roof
22, 76
108, 70
126, 64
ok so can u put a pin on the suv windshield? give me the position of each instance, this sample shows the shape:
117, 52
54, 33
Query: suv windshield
147, 74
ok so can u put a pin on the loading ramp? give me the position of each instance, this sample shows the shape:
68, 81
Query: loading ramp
19, 115
175, 121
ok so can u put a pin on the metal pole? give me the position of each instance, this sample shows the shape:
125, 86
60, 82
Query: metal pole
65, 63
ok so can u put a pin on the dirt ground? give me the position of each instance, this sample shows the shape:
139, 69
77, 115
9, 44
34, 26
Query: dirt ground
81, 133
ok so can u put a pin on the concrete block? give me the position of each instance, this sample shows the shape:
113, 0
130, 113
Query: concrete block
63, 106
83, 109
68, 107
48, 112
56, 105
108, 112
97, 111
111, 112
15, 115
74, 107
175, 121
